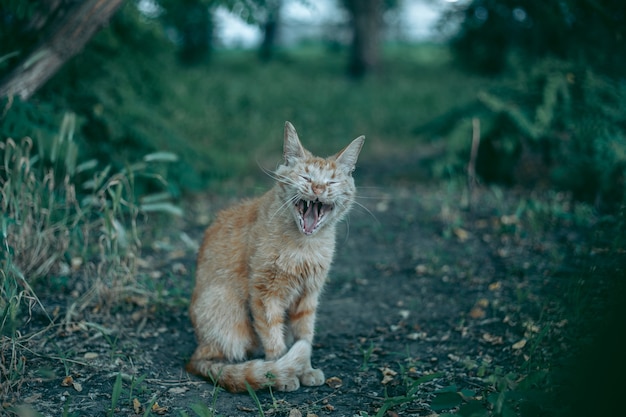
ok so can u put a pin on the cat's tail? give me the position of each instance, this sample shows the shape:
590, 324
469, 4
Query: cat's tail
281, 374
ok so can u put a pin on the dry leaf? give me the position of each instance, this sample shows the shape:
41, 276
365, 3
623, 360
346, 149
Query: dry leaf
90, 355
137, 408
461, 234
482, 302
77, 386
67, 381
334, 382
477, 313
156, 408
388, 375
246, 409
494, 340
509, 220
294, 412
519, 345
178, 390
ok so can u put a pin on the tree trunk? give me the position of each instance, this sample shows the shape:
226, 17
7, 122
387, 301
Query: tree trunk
270, 30
196, 29
67, 37
366, 26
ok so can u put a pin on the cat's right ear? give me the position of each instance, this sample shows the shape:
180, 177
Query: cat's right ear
292, 148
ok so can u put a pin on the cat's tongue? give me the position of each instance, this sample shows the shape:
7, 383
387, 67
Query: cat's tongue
311, 216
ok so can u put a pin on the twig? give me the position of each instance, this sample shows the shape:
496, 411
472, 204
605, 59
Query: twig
471, 165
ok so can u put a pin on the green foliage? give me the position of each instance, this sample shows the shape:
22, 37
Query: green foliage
412, 391
494, 32
557, 124
61, 218
15, 38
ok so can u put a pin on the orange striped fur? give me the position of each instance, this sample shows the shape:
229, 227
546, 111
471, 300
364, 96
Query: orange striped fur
260, 271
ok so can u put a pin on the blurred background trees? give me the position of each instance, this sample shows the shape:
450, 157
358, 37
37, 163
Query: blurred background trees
492, 32
545, 80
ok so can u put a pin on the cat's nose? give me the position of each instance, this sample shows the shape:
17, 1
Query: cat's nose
317, 189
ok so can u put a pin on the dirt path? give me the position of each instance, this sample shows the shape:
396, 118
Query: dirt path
429, 308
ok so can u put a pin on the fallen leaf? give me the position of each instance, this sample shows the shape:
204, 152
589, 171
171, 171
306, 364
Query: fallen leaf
461, 234
482, 302
156, 408
137, 408
67, 381
246, 409
417, 336
178, 390
90, 355
477, 313
334, 382
494, 340
294, 412
388, 375
77, 386
509, 220
519, 345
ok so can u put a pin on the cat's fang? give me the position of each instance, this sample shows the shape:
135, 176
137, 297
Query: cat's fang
311, 214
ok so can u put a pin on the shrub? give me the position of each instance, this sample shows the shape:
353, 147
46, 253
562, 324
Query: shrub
557, 124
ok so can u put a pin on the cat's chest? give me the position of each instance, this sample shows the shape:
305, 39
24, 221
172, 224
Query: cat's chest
302, 258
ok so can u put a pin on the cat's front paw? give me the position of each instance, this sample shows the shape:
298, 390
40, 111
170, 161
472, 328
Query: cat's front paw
312, 378
287, 384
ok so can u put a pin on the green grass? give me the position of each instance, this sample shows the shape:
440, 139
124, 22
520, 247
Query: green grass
60, 226
234, 110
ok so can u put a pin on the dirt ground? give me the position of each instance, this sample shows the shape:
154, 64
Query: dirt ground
431, 306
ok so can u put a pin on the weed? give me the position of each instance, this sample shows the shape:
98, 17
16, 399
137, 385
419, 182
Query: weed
201, 410
63, 219
135, 384
115, 394
367, 356
256, 399
412, 389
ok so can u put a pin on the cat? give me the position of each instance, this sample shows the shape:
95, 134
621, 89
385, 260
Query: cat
260, 270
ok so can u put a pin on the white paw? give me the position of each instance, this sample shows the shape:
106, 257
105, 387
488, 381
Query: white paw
312, 378
287, 384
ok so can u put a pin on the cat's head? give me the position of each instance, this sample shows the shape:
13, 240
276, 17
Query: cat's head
317, 191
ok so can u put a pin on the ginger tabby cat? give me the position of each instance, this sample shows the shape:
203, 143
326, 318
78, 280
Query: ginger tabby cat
260, 271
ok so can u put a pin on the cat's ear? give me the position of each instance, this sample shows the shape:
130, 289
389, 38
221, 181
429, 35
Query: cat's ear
292, 148
346, 158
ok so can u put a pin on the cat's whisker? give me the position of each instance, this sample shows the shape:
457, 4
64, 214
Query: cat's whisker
368, 211
347, 228
285, 205
277, 177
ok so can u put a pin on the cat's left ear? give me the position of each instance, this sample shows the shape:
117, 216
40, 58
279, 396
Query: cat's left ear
346, 158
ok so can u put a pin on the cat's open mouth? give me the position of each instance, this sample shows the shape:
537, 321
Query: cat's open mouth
311, 214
